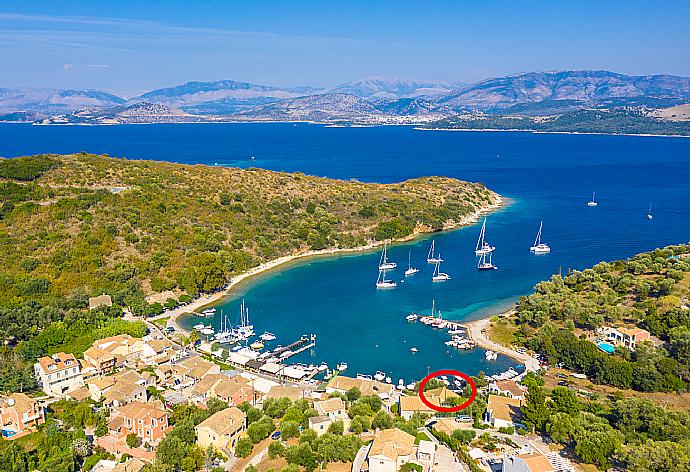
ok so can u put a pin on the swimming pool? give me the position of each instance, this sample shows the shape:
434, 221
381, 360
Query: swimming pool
608, 348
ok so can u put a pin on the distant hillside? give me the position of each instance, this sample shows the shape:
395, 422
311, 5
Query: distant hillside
221, 97
376, 88
138, 113
325, 107
613, 121
53, 101
584, 86
411, 107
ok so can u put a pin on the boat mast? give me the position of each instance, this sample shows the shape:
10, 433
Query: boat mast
480, 241
538, 240
431, 250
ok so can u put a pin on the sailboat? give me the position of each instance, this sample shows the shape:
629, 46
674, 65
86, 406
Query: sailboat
485, 262
439, 276
244, 329
381, 282
593, 202
383, 263
410, 270
431, 258
482, 246
539, 247
649, 213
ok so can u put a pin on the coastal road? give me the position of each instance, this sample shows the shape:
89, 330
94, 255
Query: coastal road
477, 333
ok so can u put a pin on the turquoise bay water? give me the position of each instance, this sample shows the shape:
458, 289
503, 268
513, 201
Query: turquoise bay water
548, 177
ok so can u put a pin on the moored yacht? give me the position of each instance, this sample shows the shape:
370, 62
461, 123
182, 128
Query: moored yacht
482, 246
485, 262
266, 336
384, 264
380, 376
431, 258
439, 276
342, 366
593, 202
539, 247
381, 282
410, 270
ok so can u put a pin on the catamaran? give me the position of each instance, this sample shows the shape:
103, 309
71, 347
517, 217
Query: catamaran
539, 247
381, 282
649, 213
410, 270
384, 264
485, 262
482, 246
593, 202
431, 258
439, 276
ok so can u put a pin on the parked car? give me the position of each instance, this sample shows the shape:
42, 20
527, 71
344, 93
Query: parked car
275, 436
463, 419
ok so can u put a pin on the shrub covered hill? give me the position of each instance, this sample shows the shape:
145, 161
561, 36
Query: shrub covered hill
73, 226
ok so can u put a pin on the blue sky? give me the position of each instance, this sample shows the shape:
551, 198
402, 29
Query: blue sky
133, 46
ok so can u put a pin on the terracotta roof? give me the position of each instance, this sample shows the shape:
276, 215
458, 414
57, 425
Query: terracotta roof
537, 462
98, 354
319, 419
435, 395
392, 443
18, 402
366, 387
504, 408
80, 394
101, 383
207, 382
330, 406
95, 302
122, 391
229, 387
130, 465
224, 421
140, 410
159, 345
414, 404
632, 332
509, 386
278, 391
60, 362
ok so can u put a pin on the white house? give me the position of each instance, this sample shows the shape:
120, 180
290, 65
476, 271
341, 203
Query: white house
59, 374
390, 449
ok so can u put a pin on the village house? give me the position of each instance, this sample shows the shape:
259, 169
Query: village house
502, 411
390, 449
529, 462
320, 424
122, 393
18, 414
279, 391
148, 421
408, 406
342, 384
222, 429
233, 391
99, 301
628, 337
100, 359
334, 408
130, 465
426, 453
193, 369
59, 374
507, 388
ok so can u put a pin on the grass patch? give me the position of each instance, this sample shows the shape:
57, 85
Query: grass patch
503, 331
161, 322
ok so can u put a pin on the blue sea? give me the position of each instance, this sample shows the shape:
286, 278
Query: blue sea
547, 177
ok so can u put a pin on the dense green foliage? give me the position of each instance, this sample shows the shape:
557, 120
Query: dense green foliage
26, 168
649, 290
609, 121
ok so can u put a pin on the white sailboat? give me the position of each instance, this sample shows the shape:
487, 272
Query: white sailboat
539, 247
384, 264
593, 202
431, 258
485, 262
482, 246
410, 270
649, 213
244, 329
381, 282
439, 276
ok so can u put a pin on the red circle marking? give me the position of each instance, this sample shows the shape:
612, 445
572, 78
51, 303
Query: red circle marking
447, 409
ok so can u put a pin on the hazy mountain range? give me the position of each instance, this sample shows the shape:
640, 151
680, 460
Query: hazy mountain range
372, 99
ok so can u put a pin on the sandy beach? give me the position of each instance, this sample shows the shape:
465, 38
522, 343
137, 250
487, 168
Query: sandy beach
201, 302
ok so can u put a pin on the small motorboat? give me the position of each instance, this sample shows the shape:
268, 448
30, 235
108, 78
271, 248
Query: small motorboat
257, 345
389, 380
412, 317
342, 366
199, 326
267, 336
323, 366
414, 349
364, 377
380, 376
